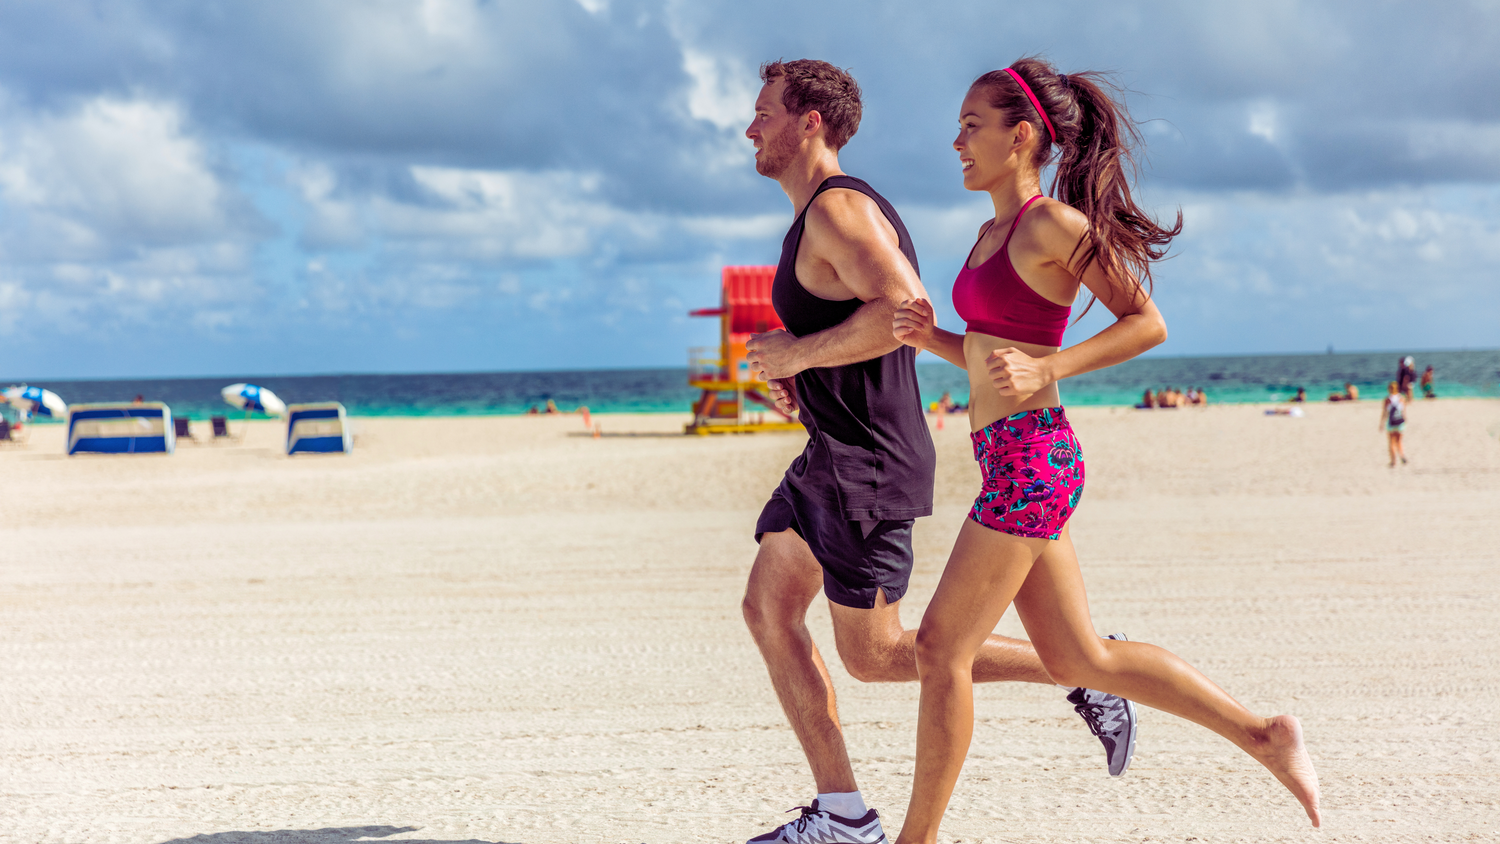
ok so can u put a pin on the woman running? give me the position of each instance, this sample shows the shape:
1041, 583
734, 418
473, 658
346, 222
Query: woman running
1014, 294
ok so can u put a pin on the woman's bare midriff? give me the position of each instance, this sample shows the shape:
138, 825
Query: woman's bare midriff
986, 405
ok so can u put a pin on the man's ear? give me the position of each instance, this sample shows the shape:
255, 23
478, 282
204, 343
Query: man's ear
811, 123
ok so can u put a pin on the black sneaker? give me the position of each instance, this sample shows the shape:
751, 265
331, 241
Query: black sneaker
1110, 718
816, 826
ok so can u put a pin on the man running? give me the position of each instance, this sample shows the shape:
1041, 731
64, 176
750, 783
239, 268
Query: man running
841, 519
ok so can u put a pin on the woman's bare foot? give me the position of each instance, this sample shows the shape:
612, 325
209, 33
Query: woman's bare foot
1282, 752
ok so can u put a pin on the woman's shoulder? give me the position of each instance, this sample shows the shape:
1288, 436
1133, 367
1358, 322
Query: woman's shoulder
1051, 225
1047, 212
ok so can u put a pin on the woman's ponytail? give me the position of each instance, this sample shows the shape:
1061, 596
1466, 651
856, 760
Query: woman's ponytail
1094, 136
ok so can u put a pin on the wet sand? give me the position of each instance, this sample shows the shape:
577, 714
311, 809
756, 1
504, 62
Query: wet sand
504, 630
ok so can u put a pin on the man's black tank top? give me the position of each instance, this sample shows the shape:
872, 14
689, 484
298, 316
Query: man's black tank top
868, 449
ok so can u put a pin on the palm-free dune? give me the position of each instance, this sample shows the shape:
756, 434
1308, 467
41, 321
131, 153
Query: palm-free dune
506, 630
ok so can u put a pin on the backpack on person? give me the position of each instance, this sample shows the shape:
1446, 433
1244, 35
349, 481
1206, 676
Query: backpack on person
1395, 412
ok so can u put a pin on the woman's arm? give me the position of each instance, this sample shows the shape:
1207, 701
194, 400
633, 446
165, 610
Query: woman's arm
916, 325
1138, 325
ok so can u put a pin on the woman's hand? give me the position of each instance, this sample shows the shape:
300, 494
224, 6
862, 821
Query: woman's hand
783, 393
914, 323
1015, 373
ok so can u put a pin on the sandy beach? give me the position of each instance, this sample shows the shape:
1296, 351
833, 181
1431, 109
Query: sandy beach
505, 630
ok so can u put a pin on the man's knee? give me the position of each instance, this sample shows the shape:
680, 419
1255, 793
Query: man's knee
759, 611
872, 662
783, 582
872, 644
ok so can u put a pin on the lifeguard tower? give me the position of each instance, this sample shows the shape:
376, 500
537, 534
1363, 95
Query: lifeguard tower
725, 377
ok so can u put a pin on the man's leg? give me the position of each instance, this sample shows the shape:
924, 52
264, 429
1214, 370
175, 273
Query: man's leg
875, 649
783, 583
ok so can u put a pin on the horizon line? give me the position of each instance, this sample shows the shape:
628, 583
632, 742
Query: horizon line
1330, 352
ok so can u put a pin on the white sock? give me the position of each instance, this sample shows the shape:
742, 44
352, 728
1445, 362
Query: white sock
844, 804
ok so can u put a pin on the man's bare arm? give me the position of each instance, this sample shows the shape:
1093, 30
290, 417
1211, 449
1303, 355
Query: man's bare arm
848, 235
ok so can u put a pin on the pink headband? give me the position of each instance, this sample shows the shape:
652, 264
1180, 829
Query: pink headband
1026, 89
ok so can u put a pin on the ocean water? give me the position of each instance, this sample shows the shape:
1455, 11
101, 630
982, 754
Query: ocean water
1255, 378
1239, 379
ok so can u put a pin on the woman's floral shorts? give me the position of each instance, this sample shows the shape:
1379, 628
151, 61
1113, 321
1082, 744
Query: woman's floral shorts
1033, 473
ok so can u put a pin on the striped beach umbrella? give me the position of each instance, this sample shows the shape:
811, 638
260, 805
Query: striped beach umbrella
248, 397
37, 400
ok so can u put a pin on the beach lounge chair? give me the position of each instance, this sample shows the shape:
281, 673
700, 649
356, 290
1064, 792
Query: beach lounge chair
221, 427
181, 429
5, 434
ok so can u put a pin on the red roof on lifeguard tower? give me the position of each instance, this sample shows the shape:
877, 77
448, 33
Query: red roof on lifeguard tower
747, 295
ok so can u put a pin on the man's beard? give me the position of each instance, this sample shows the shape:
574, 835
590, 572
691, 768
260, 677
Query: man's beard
778, 153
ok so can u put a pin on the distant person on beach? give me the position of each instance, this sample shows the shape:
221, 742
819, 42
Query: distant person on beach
1406, 376
1301, 395
1427, 387
1350, 393
1393, 419
1148, 401
841, 518
1014, 293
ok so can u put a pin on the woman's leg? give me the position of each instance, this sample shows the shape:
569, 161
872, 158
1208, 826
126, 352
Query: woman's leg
983, 573
1053, 606
1391, 438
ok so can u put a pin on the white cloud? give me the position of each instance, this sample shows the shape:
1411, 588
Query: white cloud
116, 215
754, 227
1380, 245
111, 167
723, 91
1263, 122
334, 222
494, 214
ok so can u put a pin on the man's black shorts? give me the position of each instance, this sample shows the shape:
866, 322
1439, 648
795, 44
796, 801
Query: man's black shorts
854, 563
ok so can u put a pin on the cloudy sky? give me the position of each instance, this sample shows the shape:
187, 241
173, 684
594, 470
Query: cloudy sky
319, 186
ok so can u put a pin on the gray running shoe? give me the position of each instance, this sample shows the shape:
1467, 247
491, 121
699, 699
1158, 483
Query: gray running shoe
1110, 718
816, 826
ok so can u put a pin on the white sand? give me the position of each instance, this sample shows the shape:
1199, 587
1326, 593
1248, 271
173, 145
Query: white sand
497, 630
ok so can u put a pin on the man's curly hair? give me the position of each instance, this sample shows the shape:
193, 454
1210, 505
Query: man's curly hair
813, 85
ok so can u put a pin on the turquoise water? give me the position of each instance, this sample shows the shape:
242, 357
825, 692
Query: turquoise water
1251, 378
1254, 378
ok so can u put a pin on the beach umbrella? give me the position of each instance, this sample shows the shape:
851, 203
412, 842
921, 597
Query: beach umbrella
248, 397
40, 401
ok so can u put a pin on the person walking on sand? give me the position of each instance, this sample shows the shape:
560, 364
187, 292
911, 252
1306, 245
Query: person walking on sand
841, 518
1393, 420
1406, 376
1014, 294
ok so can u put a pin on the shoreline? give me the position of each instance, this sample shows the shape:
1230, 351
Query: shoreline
687, 413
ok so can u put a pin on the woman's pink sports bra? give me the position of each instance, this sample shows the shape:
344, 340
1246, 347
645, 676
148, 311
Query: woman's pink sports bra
992, 299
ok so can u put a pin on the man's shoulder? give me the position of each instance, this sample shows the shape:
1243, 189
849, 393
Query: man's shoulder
845, 192
845, 212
